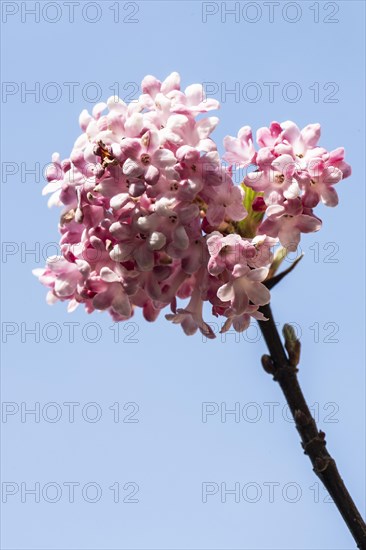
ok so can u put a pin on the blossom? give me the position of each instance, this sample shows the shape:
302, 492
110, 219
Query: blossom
226, 252
287, 221
319, 185
227, 201
240, 151
64, 278
276, 179
113, 294
244, 286
150, 214
193, 101
191, 317
287, 161
242, 322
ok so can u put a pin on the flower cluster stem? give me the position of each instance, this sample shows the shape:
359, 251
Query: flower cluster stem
284, 371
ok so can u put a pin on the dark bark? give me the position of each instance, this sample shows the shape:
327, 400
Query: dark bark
282, 366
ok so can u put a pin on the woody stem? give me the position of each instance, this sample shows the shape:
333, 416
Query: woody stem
283, 368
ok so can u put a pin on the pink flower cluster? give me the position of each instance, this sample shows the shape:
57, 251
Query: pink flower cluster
293, 174
151, 213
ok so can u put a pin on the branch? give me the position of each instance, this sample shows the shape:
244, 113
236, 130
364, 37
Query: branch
284, 371
274, 279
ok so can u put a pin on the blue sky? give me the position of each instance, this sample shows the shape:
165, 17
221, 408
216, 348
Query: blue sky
302, 61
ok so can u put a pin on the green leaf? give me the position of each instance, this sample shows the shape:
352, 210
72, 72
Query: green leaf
248, 227
249, 196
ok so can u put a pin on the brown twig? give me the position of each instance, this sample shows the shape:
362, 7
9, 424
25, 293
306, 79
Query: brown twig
274, 279
283, 368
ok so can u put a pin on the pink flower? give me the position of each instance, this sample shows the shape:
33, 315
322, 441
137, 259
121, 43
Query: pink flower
263, 246
240, 151
287, 221
336, 158
228, 251
226, 201
64, 278
275, 179
197, 171
246, 284
150, 214
242, 322
297, 142
183, 131
134, 245
112, 294
151, 86
193, 101
147, 159
267, 137
319, 185
191, 317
